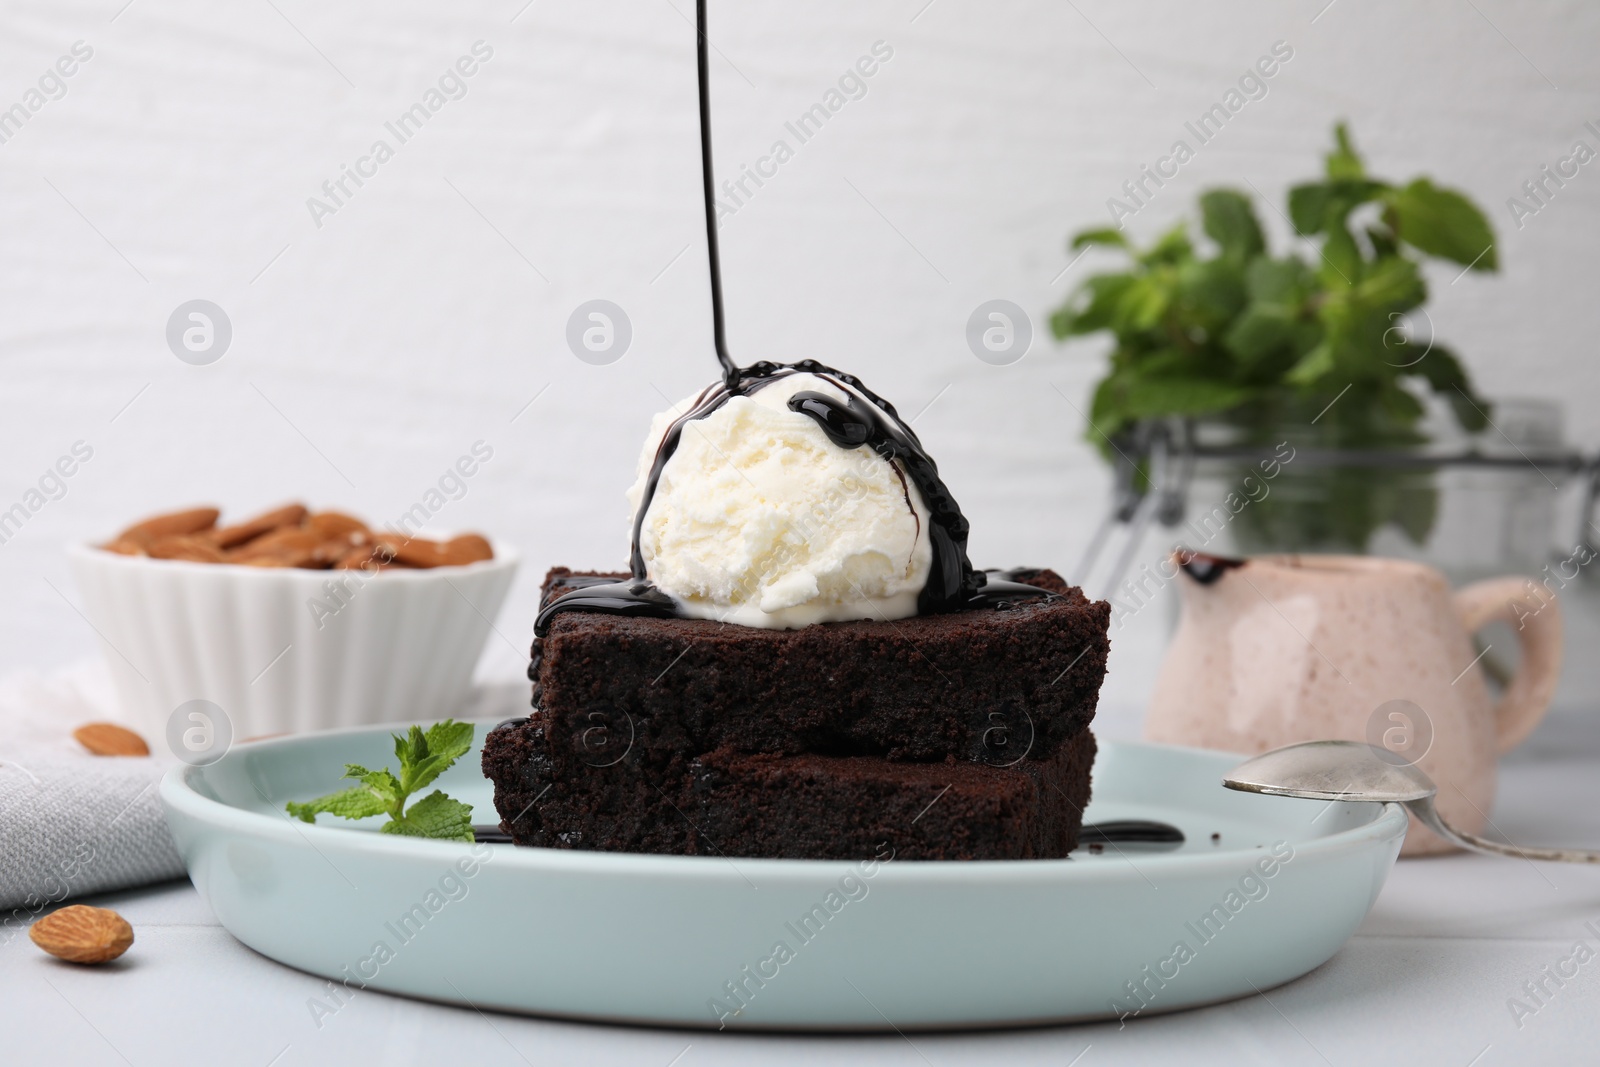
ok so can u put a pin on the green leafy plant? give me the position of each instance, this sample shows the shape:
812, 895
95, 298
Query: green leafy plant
423, 757
1200, 335
1231, 332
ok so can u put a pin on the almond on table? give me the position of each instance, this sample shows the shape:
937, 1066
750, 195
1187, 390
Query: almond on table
81, 934
291, 536
109, 739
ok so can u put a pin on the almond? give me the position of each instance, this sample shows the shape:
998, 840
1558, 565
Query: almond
172, 524
340, 534
408, 551
469, 548
368, 558
331, 524
81, 934
193, 548
420, 552
109, 739
330, 553
124, 548
287, 546
238, 534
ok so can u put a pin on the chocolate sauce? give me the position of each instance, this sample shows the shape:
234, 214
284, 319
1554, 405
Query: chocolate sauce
864, 420
1131, 831
1204, 567
490, 834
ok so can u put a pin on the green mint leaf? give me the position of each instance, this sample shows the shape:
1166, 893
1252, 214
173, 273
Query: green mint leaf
1308, 206
357, 802
1113, 238
450, 739
1262, 332
1443, 223
1313, 365
1278, 281
1343, 162
1384, 244
410, 749
443, 744
435, 816
1144, 302
1341, 256
1211, 290
412, 752
1228, 219
382, 784
1393, 284
1315, 206
1444, 373
1172, 247
1092, 306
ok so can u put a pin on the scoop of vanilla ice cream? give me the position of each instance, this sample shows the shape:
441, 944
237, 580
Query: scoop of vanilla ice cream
759, 519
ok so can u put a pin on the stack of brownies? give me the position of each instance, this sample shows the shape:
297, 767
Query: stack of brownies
953, 736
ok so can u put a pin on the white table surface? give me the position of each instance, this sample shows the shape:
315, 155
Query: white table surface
1426, 980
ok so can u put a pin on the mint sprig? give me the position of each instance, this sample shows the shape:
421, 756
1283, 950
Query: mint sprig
423, 757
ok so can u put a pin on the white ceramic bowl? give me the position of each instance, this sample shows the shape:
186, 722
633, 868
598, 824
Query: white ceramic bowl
289, 650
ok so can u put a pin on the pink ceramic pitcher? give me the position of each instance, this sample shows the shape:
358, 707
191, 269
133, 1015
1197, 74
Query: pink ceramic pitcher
1279, 649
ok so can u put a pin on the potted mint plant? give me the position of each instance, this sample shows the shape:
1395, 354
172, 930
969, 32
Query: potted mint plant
1251, 348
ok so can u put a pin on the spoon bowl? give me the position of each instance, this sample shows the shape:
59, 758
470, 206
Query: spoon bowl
1362, 773
1332, 770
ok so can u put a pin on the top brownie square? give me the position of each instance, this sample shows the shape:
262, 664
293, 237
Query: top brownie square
991, 685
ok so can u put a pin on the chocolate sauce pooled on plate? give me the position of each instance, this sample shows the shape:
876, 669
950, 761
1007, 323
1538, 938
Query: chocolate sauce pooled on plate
865, 420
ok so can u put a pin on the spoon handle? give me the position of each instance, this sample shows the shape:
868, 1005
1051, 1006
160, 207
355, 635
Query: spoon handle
1429, 816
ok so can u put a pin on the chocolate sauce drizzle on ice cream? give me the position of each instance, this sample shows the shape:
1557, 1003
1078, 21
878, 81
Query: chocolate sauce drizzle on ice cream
850, 415
862, 420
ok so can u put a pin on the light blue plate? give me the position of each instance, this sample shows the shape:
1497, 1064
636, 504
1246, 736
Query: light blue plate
704, 942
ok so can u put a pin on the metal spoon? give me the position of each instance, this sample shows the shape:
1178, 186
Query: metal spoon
1350, 770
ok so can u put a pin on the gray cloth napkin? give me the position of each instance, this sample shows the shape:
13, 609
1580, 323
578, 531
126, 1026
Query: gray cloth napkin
71, 825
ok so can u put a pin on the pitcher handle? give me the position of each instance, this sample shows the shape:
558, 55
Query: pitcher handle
1533, 611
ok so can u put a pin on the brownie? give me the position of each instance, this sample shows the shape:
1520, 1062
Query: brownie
984, 684
948, 736
732, 804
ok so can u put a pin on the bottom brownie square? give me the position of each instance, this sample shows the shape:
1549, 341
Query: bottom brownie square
798, 807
